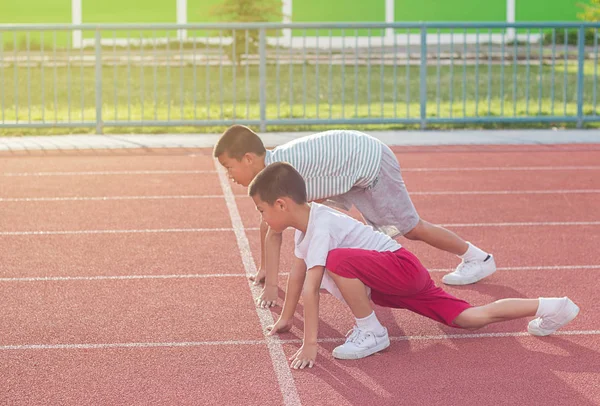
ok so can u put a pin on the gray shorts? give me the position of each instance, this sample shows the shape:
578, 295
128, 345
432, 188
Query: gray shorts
385, 204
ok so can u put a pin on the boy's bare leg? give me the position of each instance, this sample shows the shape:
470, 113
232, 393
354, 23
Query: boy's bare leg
476, 264
500, 310
369, 336
438, 237
259, 277
552, 314
268, 296
355, 295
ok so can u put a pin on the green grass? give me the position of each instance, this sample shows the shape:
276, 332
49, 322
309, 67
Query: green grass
184, 93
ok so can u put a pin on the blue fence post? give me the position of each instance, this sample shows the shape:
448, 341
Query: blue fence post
262, 73
423, 77
580, 74
99, 124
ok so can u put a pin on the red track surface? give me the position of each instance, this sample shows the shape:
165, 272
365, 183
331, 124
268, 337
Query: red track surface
144, 301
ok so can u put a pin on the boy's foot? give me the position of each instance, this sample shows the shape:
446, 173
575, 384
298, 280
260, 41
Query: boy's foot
361, 343
471, 271
545, 325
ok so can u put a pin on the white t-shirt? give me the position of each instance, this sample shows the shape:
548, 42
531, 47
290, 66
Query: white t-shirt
329, 229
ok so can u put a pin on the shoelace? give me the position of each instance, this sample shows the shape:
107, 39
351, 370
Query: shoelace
356, 336
467, 267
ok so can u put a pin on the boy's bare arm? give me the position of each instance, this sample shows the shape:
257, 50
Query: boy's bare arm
306, 355
268, 296
260, 274
292, 296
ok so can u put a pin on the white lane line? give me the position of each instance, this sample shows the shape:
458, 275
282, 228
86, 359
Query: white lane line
208, 230
105, 198
120, 277
280, 342
531, 268
278, 358
100, 173
186, 172
126, 345
505, 168
243, 275
525, 224
460, 336
176, 197
160, 230
506, 192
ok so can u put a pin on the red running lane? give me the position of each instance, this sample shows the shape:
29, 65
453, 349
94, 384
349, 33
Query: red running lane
512, 371
115, 215
205, 375
108, 311
118, 160
111, 185
501, 180
86, 255
497, 155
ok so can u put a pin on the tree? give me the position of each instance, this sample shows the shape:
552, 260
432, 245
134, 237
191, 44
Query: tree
591, 11
246, 11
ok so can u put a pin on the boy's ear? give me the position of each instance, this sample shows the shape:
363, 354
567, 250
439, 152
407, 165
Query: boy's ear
249, 157
280, 204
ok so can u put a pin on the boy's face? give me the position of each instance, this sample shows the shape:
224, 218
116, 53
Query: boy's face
276, 215
242, 171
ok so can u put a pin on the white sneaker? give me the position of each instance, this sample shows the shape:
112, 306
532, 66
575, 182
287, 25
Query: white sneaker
361, 343
471, 271
543, 326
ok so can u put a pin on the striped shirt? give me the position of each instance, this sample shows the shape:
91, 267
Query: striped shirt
331, 162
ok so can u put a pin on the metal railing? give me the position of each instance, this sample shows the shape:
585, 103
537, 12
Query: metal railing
297, 74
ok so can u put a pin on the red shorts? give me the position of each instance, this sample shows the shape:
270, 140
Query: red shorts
397, 279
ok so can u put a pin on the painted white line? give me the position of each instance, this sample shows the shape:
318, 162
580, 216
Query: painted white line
508, 192
525, 224
460, 336
280, 342
531, 268
505, 168
105, 198
165, 230
240, 275
208, 230
120, 277
126, 345
176, 197
99, 173
188, 172
280, 362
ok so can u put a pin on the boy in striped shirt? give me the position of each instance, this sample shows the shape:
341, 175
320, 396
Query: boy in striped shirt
347, 168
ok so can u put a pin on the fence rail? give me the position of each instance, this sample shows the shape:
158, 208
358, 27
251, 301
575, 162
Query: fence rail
314, 73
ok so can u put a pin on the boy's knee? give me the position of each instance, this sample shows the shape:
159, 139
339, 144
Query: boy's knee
470, 319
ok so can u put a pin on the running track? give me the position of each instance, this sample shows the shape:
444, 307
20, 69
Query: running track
123, 281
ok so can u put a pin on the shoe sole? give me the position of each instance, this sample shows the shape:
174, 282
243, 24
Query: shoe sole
358, 355
449, 281
543, 333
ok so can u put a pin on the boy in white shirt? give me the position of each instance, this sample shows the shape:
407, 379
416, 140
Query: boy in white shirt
358, 264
